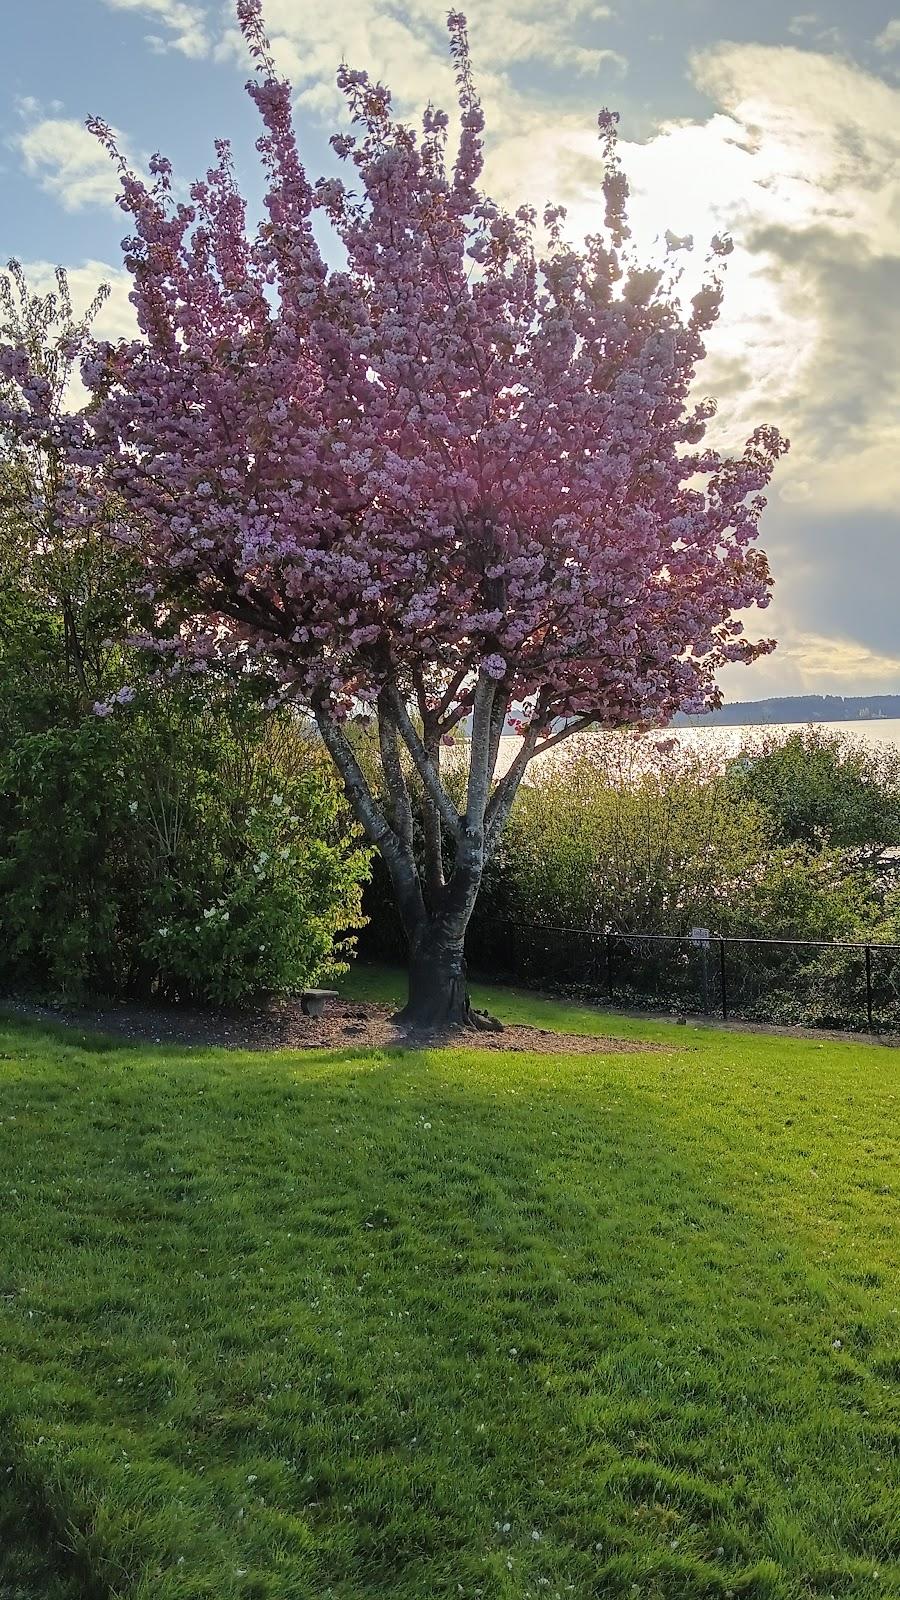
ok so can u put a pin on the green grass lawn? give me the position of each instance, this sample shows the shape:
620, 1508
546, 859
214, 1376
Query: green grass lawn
452, 1324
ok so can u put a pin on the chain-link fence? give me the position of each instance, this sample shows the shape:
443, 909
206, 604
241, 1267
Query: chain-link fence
811, 983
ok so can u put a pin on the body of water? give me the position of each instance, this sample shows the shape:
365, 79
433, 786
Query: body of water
725, 742
880, 730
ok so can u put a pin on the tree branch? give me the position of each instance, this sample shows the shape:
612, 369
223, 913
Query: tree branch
498, 723
486, 691
426, 769
445, 704
399, 860
435, 880
580, 725
394, 777
501, 801
434, 843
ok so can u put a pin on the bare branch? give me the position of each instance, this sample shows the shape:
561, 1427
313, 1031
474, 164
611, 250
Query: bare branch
486, 691
394, 777
400, 861
580, 725
434, 843
425, 767
501, 801
498, 723
365, 806
445, 705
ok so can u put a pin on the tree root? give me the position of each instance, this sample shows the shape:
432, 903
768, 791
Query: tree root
484, 1022
471, 1022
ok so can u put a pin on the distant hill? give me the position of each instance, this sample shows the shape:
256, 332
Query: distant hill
797, 708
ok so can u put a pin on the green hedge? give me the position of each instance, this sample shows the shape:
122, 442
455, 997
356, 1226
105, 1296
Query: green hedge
184, 847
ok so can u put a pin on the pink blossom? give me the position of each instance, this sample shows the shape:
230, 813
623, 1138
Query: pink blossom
402, 474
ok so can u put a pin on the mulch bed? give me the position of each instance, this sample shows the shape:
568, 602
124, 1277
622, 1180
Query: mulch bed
346, 1025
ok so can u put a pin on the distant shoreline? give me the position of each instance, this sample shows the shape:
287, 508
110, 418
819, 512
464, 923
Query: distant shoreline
797, 710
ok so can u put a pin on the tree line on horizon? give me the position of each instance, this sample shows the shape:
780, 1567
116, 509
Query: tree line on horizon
796, 708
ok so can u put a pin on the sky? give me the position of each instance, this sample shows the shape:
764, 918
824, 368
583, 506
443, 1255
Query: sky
779, 126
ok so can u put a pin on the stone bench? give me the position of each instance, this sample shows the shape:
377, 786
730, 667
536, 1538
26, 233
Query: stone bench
314, 1001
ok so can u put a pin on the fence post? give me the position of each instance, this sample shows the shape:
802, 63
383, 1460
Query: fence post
869, 985
722, 977
609, 965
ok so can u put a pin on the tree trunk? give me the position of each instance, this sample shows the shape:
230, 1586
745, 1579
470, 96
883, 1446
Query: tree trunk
438, 994
438, 991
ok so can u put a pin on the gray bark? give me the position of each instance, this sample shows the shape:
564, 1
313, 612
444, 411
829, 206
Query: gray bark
435, 914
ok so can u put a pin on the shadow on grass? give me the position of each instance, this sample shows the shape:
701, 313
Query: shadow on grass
62, 1032
36, 1559
456, 1316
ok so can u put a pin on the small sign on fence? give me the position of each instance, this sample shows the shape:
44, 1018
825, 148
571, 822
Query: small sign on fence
700, 938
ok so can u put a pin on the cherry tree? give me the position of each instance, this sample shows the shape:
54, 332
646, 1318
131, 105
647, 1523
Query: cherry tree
447, 470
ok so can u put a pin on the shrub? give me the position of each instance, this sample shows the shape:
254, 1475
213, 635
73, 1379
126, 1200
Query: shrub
820, 787
190, 846
649, 837
63, 820
621, 835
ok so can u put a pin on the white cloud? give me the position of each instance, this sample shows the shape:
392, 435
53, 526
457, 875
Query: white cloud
841, 658
809, 25
68, 163
309, 45
188, 24
824, 133
814, 322
800, 161
408, 49
804, 23
889, 38
811, 663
